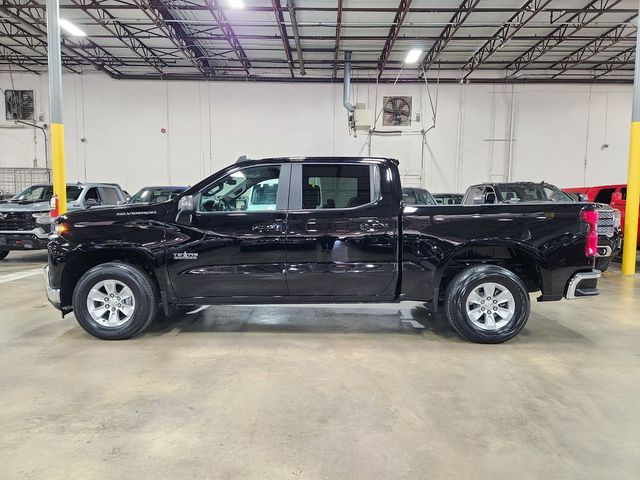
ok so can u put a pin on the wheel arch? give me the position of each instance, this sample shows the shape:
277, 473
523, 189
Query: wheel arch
522, 259
79, 264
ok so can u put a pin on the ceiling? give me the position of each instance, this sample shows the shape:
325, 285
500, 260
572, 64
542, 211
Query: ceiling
305, 40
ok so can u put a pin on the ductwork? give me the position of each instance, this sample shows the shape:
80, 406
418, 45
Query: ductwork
346, 91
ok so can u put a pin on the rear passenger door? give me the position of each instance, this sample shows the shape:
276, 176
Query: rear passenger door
341, 236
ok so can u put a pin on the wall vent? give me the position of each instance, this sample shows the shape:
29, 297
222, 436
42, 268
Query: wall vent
18, 104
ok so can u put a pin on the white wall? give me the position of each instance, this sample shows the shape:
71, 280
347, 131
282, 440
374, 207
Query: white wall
113, 130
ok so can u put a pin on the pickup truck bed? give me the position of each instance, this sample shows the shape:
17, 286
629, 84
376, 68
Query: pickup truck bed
332, 230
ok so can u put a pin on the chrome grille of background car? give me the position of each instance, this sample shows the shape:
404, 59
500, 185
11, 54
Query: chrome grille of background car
12, 221
606, 222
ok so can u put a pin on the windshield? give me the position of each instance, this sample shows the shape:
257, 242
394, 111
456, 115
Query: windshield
43, 193
515, 193
156, 195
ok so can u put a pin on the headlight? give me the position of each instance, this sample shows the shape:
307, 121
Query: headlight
61, 228
42, 218
616, 217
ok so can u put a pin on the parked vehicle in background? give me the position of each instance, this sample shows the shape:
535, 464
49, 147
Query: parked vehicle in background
156, 194
614, 195
25, 219
4, 195
338, 233
448, 198
417, 196
609, 227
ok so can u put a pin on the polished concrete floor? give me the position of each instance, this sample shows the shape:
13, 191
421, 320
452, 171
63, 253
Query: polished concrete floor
344, 392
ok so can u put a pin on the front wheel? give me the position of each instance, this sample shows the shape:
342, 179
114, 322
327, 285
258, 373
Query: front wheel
3, 254
115, 301
487, 304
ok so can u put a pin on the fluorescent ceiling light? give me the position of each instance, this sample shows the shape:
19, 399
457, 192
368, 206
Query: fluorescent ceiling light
70, 28
413, 55
236, 3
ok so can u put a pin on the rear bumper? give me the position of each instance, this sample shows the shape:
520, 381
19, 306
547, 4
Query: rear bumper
53, 294
583, 284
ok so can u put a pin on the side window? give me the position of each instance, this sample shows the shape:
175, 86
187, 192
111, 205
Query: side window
92, 197
337, 186
250, 189
623, 192
475, 196
109, 196
604, 195
409, 197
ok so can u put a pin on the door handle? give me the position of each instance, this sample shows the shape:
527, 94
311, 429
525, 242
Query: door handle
373, 226
311, 226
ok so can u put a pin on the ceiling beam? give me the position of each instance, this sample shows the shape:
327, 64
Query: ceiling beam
31, 24
597, 45
117, 29
504, 34
336, 50
398, 20
614, 63
296, 35
449, 31
568, 26
13, 57
277, 10
174, 33
230, 36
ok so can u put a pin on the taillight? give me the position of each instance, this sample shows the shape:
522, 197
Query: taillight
590, 217
53, 204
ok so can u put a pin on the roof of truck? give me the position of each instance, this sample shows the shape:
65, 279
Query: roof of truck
244, 159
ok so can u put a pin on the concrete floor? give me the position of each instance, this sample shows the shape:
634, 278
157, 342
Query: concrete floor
348, 392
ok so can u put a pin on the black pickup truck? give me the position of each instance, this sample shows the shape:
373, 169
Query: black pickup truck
292, 230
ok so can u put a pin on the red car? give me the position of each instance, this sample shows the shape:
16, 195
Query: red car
614, 195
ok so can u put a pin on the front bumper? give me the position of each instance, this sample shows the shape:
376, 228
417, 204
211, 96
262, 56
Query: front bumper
34, 239
53, 294
583, 284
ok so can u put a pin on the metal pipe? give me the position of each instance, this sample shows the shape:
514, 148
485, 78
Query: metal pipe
55, 105
630, 244
346, 91
296, 34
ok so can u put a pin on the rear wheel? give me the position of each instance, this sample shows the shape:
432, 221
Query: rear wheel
115, 301
487, 304
3, 254
602, 263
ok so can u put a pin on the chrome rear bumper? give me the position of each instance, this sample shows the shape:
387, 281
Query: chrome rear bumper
583, 284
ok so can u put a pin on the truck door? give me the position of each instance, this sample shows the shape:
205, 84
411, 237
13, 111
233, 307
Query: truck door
234, 245
342, 231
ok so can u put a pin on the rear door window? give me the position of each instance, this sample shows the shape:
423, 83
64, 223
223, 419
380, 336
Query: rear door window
338, 186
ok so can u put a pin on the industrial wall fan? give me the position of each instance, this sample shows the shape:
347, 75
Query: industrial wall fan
18, 104
396, 112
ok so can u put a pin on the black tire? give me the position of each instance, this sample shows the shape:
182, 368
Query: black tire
462, 286
602, 263
145, 294
3, 254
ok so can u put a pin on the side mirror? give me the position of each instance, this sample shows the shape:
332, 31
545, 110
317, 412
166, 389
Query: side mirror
186, 204
582, 197
91, 202
616, 198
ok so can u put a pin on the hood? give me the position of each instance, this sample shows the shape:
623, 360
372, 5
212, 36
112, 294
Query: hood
25, 206
120, 213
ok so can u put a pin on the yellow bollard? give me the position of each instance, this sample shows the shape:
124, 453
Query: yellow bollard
57, 164
633, 204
